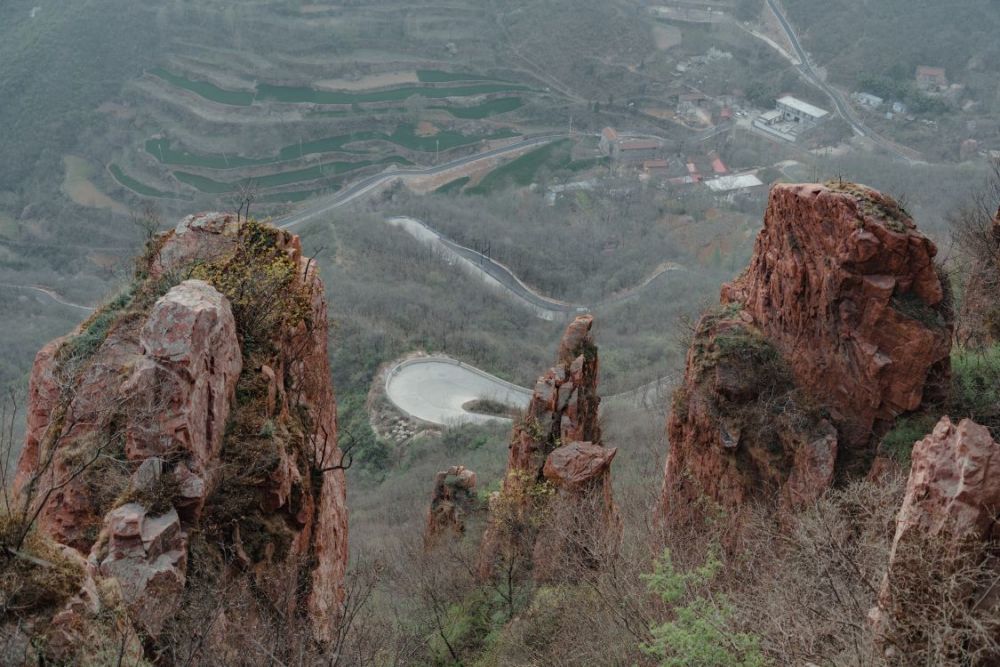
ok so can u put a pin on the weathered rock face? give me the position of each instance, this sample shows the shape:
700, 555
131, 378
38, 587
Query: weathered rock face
739, 429
840, 324
453, 500
979, 321
203, 408
845, 287
165, 391
557, 468
951, 500
148, 557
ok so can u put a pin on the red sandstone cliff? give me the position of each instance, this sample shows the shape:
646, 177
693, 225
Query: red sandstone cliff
840, 324
555, 504
185, 438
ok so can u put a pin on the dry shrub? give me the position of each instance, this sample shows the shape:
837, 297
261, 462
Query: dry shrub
942, 604
805, 583
38, 577
232, 620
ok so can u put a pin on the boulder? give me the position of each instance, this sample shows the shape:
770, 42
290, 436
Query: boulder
452, 502
575, 465
845, 287
136, 438
949, 512
147, 555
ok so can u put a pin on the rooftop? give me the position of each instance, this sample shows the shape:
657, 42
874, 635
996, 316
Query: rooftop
610, 134
803, 107
931, 72
639, 145
735, 182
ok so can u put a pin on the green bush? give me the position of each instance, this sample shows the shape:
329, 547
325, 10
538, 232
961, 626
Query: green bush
898, 443
975, 393
700, 633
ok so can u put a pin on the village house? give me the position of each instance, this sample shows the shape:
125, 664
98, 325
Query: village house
931, 79
790, 118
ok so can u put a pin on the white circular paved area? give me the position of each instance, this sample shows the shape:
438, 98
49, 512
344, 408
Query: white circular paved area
434, 389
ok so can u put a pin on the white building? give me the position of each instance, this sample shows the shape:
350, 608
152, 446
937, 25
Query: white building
734, 182
790, 118
795, 110
868, 100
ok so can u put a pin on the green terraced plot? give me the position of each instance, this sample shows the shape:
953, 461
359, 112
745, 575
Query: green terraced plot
440, 76
161, 150
486, 109
522, 171
585, 164
139, 187
282, 178
404, 135
305, 95
207, 90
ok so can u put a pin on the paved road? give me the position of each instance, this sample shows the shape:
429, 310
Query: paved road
843, 108
324, 205
434, 389
497, 275
50, 294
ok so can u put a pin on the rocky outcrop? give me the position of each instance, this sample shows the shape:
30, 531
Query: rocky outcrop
452, 502
198, 403
948, 513
845, 287
558, 471
739, 428
840, 324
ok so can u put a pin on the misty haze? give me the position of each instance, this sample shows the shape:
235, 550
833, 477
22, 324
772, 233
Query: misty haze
500, 333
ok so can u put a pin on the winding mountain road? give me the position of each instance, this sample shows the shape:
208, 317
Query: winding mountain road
499, 276
51, 294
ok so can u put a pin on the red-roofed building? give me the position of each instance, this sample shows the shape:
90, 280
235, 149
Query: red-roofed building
931, 78
656, 167
636, 150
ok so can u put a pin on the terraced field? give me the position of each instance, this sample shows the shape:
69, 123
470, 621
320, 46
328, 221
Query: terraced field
339, 93
266, 92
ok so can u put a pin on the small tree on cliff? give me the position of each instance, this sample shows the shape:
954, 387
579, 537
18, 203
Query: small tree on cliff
699, 635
